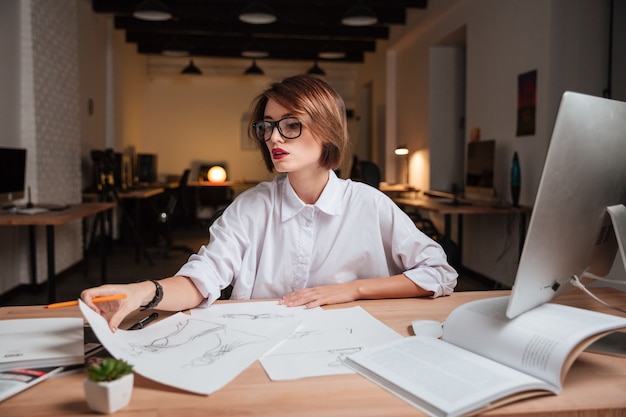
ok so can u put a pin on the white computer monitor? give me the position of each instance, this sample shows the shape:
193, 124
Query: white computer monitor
584, 172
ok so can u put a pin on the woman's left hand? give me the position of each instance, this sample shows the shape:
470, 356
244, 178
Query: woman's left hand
319, 296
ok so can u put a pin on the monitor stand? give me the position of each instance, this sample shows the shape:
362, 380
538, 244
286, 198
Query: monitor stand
615, 343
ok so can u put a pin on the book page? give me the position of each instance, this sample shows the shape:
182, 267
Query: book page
439, 378
537, 342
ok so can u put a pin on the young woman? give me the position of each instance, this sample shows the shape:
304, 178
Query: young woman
306, 238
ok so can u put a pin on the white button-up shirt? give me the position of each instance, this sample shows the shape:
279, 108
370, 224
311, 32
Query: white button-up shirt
268, 243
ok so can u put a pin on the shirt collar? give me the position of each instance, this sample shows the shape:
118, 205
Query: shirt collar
329, 201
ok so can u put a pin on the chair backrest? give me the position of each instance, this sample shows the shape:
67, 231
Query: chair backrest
179, 193
367, 172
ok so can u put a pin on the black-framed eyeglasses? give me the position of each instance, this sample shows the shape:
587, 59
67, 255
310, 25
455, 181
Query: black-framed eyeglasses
288, 127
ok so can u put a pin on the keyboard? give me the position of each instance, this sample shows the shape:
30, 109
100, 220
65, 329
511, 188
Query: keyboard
32, 210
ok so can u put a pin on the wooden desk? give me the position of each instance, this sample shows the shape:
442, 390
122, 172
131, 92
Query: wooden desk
237, 186
595, 385
448, 210
51, 219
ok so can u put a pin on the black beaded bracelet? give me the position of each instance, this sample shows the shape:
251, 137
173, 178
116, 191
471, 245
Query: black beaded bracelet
158, 296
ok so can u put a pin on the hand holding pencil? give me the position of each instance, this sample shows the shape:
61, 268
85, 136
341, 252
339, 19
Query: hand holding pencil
134, 295
95, 300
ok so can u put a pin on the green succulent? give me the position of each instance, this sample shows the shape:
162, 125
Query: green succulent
109, 369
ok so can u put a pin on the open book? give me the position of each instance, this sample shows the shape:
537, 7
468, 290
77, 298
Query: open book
483, 359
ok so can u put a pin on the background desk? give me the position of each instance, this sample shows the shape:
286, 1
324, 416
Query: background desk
595, 385
447, 210
51, 219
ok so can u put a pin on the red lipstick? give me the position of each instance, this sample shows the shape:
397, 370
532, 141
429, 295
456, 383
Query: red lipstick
278, 153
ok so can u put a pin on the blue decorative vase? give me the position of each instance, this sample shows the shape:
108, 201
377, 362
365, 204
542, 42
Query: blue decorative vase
516, 180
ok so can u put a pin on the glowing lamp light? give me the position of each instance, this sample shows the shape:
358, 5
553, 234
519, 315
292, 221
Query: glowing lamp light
216, 174
401, 150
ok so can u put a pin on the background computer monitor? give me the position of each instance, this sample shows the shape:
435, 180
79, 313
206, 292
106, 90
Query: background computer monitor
12, 174
146, 168
479, 168
584, 172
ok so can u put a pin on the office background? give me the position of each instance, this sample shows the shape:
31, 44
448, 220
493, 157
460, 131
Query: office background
71, 84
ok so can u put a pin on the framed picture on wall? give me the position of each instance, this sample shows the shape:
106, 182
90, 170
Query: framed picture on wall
526, 103
247, 144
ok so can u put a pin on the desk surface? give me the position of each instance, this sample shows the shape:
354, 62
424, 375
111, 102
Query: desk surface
595, 385
52, 218
441, 207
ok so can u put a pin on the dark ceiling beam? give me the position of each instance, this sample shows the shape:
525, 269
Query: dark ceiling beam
353, 56
239, 43
233, 7
303, 28
176, 27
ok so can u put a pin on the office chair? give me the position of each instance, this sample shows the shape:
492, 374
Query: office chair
165, 217
365, 171
210, 199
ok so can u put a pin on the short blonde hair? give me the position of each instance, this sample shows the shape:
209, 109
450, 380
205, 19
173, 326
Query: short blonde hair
317, 106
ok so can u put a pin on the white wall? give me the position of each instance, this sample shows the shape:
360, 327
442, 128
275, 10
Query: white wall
41, 114
565, 41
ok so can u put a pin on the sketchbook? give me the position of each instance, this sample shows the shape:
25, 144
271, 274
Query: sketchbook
483, 359
43, 342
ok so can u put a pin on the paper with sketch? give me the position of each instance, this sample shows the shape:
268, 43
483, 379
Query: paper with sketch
199, 352
319, 344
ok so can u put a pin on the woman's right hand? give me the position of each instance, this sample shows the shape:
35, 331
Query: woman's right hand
116, 311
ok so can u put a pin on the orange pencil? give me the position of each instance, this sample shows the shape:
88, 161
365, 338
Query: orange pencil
95, 300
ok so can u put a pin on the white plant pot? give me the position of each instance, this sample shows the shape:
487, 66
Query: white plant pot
108, 397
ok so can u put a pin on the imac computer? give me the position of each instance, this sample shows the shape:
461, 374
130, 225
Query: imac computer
571, 232
12, 175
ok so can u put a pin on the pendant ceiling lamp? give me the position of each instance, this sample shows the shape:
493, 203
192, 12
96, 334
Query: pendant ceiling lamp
191, 69
254, 70
174, 48
154, 10
257, 13
254, 50
316, 70
331, 51
360, 15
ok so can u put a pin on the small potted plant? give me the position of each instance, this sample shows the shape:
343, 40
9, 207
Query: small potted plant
109, 385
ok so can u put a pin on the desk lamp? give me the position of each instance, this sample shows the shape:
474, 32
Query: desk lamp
403, 150
216, 174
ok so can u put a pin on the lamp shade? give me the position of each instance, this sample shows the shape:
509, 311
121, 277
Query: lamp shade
359, 15
191, 69
316, 70
257, 13
254, 70
154, 10
216, 174
331, 51
254, 50
174, 48
401, 150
